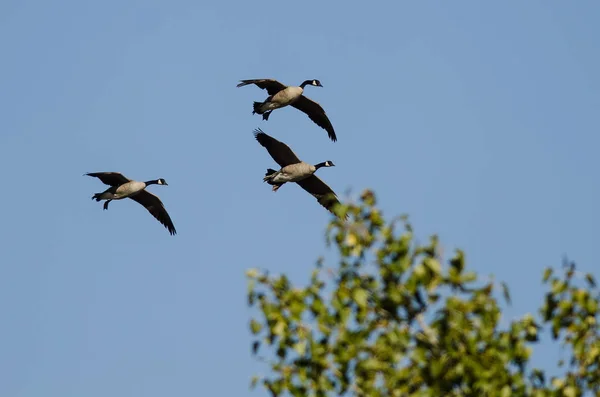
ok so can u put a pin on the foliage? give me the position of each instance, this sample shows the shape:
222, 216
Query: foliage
395, 322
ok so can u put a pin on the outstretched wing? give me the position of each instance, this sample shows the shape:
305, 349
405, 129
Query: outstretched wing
272, 86
316, 113
279, 151
110, 178
323, 193
156, 208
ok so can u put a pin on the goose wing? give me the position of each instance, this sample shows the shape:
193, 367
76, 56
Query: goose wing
279, 151
156, 208
316, 113
110, 178
323, 193
272, 86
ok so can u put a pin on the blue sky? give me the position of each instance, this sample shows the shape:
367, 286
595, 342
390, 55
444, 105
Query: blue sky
477, 119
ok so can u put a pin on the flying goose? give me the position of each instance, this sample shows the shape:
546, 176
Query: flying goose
281, 96
122, 187
294, 170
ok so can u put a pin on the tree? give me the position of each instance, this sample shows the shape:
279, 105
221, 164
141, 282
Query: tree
392, 321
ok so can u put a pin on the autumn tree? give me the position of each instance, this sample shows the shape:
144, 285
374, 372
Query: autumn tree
390, 319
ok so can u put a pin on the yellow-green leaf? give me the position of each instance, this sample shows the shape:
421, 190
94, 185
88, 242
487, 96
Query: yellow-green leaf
569, 391
300, 347
433, 265
360, 297
547, 274
278, 328
255, 326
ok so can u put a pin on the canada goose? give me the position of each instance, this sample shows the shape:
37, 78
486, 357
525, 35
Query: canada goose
122, 187
294, 170
281, 96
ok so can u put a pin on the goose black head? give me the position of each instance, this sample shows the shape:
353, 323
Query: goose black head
161, 181
314, 82
327, 163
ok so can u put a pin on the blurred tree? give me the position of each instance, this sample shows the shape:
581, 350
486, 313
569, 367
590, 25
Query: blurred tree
395, 322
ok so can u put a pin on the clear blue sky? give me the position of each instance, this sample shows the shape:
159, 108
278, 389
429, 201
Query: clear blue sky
478, 120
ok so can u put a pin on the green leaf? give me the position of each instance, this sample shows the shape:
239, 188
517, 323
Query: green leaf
296, 309
433, 265
278, 328
547, 274
274, 387
592, 306
558, 286
565, 305
317, 306
360, 297
569, 391
255, 326
419, 270
300, 347
458, 262
469, 277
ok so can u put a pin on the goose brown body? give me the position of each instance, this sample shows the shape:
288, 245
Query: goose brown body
281, 96
295, 170
121, 187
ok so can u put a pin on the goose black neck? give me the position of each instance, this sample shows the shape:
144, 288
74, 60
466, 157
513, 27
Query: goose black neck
305, 83
317, 166
152, 182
